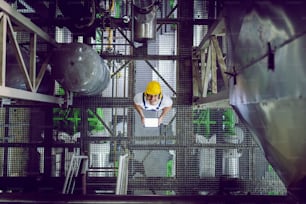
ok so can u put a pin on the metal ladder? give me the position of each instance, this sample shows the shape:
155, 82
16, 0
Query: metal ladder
73, 171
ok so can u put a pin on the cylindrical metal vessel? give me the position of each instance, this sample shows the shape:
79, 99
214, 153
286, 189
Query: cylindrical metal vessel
145, 20
269, 93
78, 68
99, 155
230, 160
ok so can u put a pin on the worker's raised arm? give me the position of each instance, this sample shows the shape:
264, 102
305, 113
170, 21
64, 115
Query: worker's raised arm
140, 112
164, 112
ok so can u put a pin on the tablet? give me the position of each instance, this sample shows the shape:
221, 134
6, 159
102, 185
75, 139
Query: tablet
151, 122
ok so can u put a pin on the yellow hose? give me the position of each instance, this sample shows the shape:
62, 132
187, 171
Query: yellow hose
110, 31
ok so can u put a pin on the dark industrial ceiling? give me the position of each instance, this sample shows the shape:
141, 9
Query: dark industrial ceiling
82, 17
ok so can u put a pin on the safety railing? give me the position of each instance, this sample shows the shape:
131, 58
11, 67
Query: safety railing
73, 172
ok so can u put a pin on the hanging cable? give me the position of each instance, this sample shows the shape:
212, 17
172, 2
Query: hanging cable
92, 18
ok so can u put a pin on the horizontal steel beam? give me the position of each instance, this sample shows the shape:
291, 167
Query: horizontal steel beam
218, 100
140, 57
141, 199
39, 144
105, 102
179, 20
27, 95
177, 147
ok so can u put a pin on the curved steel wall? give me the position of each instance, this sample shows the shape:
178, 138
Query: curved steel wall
270, 90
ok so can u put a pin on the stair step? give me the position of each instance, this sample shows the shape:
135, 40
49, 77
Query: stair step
101, 185
100, 189
98, 179
100, 192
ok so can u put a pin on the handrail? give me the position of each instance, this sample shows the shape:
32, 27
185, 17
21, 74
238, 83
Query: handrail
73, 172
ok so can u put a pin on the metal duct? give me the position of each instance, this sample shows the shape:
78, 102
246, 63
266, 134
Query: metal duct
268, 43
145, 20
78, 68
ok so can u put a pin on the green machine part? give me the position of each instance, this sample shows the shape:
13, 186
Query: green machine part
68, 120
94, 122
118, 6
169, 167
229, 122
173, 26
169, 173
202, 122
272, 172
60, 91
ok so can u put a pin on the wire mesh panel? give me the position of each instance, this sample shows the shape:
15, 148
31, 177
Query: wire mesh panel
14, 129
194, 151
222, 158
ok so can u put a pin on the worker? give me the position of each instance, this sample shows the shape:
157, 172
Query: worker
152, 99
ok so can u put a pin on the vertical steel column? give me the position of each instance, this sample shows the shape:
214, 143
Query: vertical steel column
184, 167
6, 136
84, 131
36, 123
217, 115
48, 132
48, 141
131, 83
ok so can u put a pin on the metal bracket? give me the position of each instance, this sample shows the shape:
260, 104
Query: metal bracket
233, 74
68, 98
5, 101
271, 62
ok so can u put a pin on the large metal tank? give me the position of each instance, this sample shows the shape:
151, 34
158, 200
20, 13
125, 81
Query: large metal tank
78, 68
269, 94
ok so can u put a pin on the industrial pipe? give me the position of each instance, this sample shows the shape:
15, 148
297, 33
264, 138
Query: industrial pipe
145, 20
